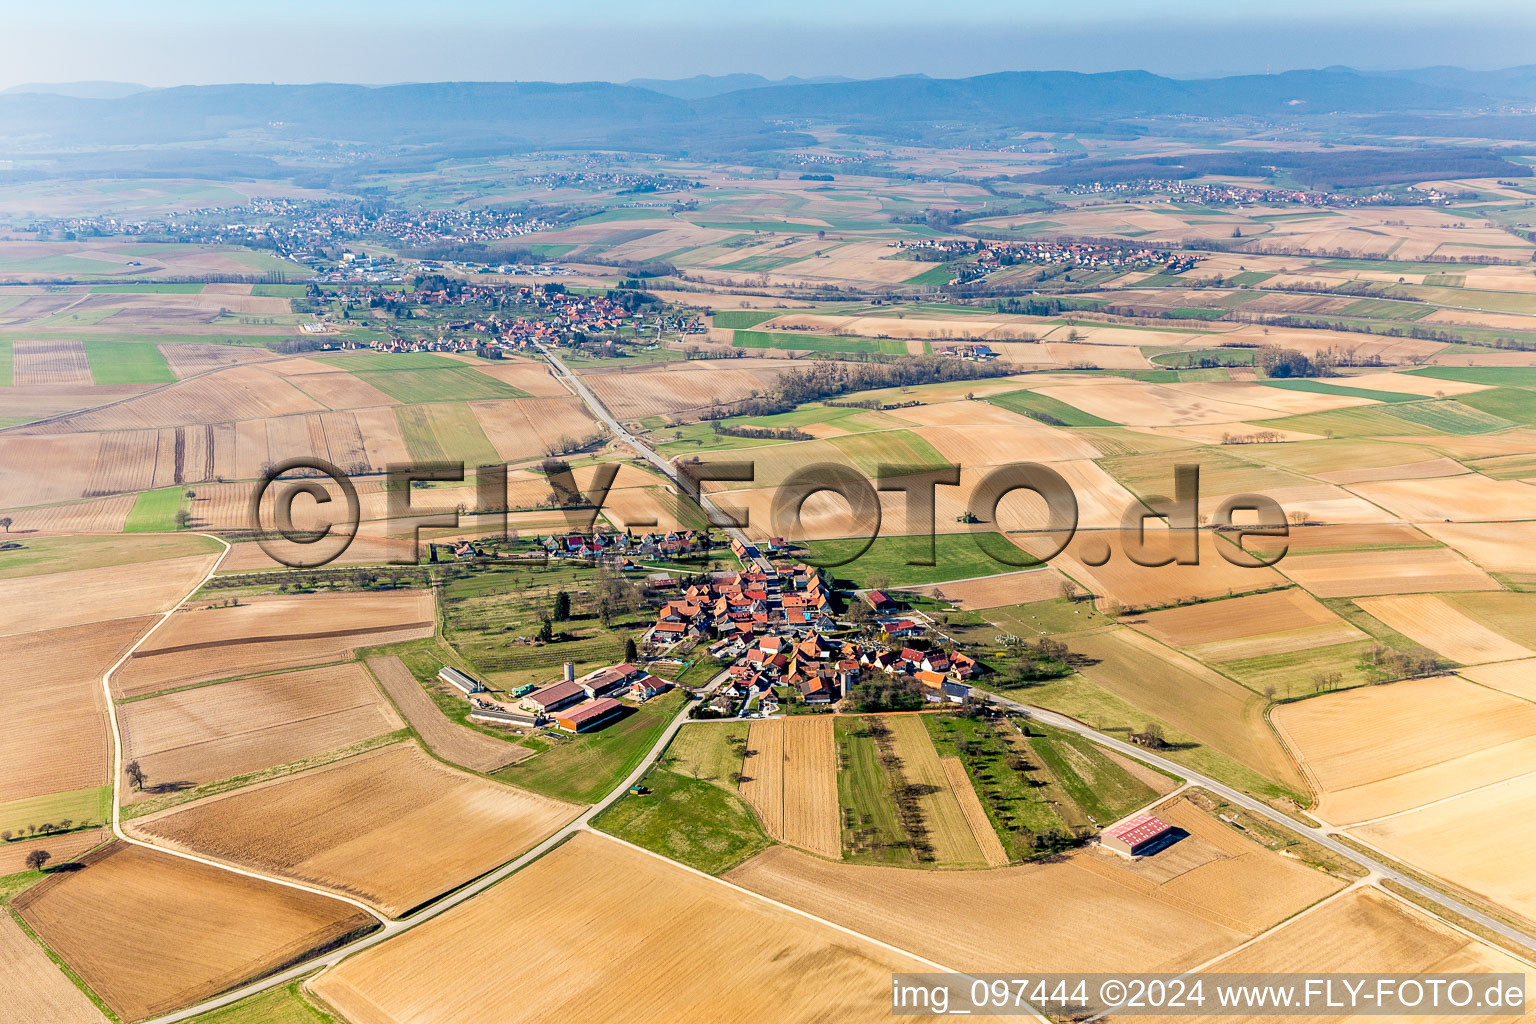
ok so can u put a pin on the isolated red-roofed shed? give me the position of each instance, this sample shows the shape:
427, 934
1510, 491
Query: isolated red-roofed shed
1137, 836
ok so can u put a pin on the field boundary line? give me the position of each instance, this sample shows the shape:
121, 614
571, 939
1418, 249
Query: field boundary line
1530, 962
793, 910
1437, 803
117, 758
1358, 883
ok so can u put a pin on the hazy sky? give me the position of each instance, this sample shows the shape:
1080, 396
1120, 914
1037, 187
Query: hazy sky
172, 42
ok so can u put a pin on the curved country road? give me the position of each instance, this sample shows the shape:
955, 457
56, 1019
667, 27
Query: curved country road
391, 927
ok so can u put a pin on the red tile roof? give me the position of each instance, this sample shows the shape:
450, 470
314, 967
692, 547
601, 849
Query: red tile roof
1139, 829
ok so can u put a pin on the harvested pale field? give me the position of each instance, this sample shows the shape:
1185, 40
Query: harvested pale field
150, 933
1119, 919
248, 392
1249, 627
1459, 499
727, 956
1409, 384
1515, 441
1443, 629
1383, 749
1319, 503
343, 827
960, 329
975, 815
1365, 931
1176, 689
532, 377
338, 389
762, 774
52, 712
1261, 400
1139, 586
443, 736
1502, 547
995, 591
527, 428
992, 444
949, 831
1219, 432
32, 989
977, 412
202, 642
1134, 403
215, 732
790, 779
94, 595
1310, 341
1517, 678
39, 470
672, 388
1101, 500
1106, 357
98, 515
1341, 535
1481, 841
1421, 470
1363, 573
810, 786
50, 362
381, 437
61, 849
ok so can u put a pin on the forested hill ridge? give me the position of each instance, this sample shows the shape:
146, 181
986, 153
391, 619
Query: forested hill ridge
588, 111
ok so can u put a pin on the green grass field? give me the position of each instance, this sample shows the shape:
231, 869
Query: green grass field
7, 364
456, 383
707, 751
1038, 406
445, 431
1450, 416
582, 768
1509, 376
1321, 388
742, 319
279, 291
78, 805
939, 274
1249, 277
1365, 421
1011, 794
361, 361
697, 823
127, 362
147, 289
1514, 404
284, 1004
41, 556
818, 343
1290, 673
885, 563
1086, 701
155, 511
1102, 789
1222, 356
1388, 309
864, 790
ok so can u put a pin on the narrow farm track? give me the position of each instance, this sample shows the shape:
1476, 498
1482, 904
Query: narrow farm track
117, 757
391, 927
